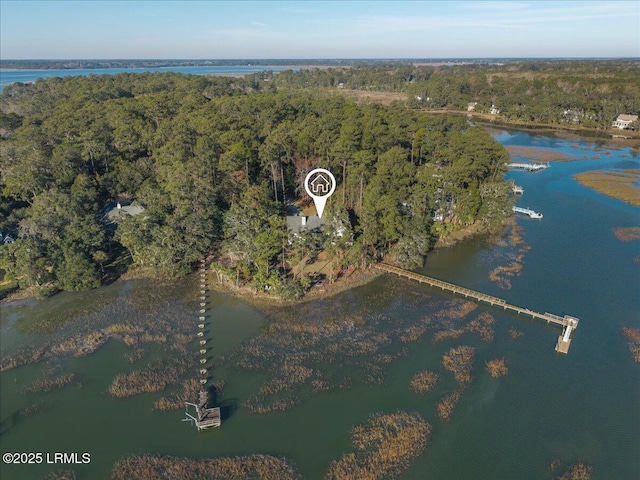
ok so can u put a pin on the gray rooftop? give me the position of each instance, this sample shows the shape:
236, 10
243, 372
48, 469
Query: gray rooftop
295, 223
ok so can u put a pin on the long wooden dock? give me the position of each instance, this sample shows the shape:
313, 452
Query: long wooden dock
568, 322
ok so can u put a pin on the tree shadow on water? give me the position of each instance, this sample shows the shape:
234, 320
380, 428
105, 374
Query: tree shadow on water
227, 407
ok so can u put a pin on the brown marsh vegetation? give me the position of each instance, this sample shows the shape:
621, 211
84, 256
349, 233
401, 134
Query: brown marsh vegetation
384, 447
633, 334
539, 154
155, 377
627, 234
258, 467
447, 405
515, 333
423, 382
496, 367
516, 249
579, 471
299, 349
620, 184
459, 361
47, 384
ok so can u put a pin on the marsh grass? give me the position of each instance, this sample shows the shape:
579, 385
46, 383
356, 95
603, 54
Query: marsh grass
311, 348
579, 471
514, 249
540, 154
620, 184
459, 361
496, 367
384, 447
447, 405
47, 384
424, 382
257, 467
633, 334
515, 333
627, 234
155, 377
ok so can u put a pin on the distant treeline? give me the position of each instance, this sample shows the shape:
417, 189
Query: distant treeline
214, 161
590, 93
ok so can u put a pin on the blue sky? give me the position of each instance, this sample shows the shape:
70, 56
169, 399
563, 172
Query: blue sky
310, 29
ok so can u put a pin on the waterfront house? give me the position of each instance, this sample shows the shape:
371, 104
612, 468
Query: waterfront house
298, 223
623, 121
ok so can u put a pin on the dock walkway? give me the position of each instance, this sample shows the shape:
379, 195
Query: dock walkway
568, 322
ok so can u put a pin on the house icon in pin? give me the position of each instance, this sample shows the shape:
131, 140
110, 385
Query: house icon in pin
320, 185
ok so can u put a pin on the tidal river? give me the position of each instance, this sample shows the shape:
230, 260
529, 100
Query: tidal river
361, 350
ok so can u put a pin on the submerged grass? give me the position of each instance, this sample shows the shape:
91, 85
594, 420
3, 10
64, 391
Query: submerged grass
311, 348
516, 248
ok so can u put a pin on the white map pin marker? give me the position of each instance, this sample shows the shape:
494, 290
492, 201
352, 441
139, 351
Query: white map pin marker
320, 185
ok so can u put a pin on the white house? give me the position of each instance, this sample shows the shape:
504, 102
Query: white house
494, 110
471, 106
623, 121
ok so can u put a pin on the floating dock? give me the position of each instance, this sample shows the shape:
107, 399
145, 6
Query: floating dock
527, 211
569, 323
531, 167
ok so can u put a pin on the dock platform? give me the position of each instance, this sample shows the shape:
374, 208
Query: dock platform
569, 323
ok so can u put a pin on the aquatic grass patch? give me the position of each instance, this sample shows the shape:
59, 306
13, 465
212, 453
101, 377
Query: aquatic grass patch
384, 447
578, 471
459, 361
311, 348
627, 234
155, 377
540, 154
515, 333
258, 467
511, 254
62, 475
171, 326
481, 325
447, 404
496, 367
424, 382
633, 335
47, 384
620, 184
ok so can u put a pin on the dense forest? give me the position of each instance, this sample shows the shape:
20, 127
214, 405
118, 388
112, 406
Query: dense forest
214, 162
587, 93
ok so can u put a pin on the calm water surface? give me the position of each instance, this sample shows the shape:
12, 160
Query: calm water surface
584, 406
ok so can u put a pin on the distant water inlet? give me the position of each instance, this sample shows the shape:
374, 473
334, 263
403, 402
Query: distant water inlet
569, 323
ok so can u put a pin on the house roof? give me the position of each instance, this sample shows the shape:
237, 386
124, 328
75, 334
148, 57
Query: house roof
116, 213
294, 223
627, 118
